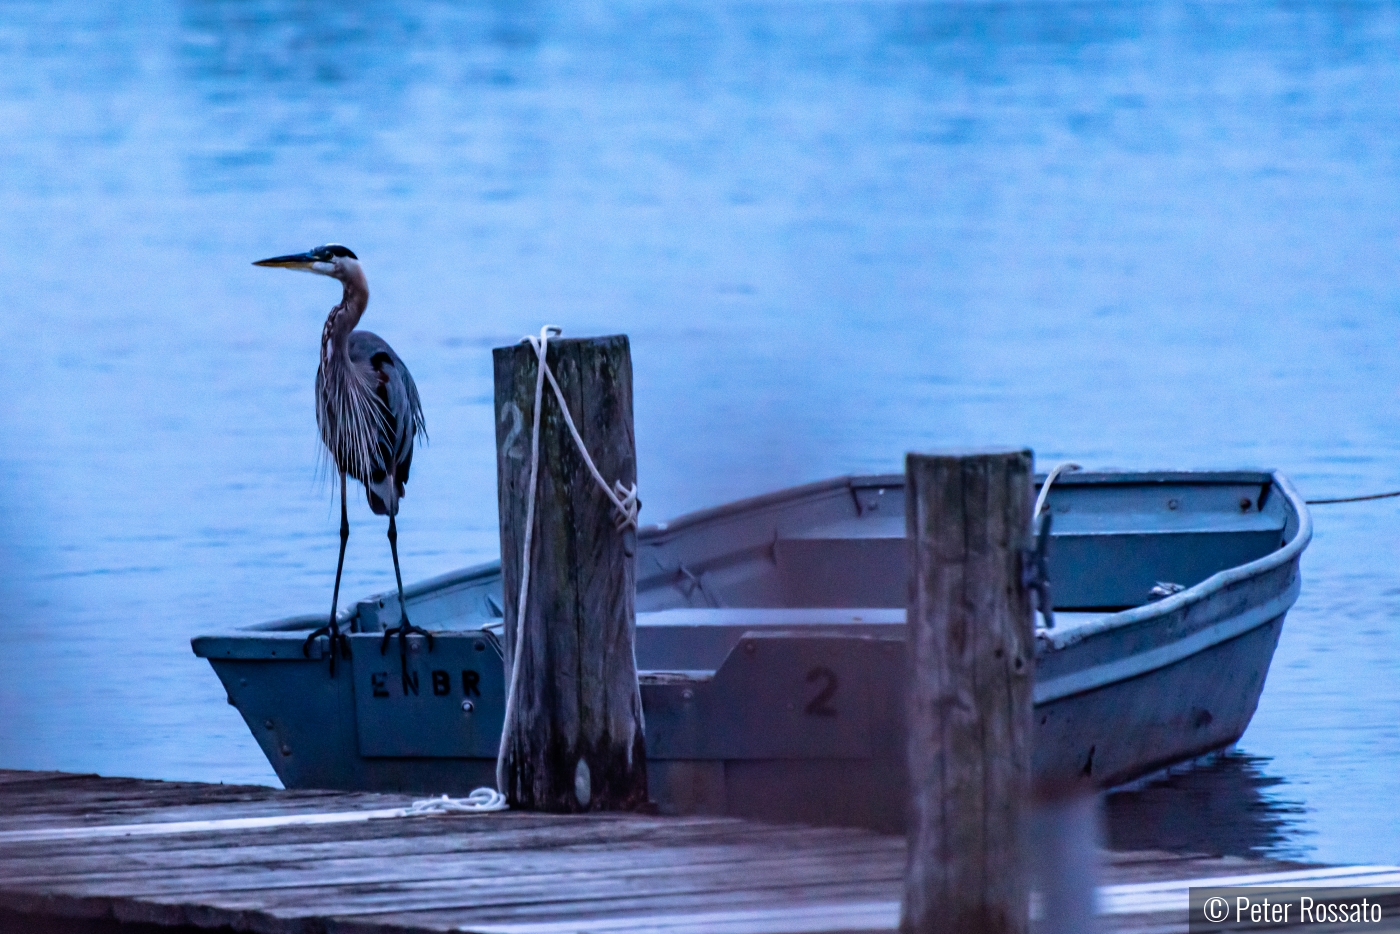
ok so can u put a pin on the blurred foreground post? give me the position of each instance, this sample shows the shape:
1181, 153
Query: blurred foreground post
574, 741
971, 648
1064, 844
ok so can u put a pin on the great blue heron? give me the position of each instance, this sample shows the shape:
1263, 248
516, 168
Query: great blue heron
368, 411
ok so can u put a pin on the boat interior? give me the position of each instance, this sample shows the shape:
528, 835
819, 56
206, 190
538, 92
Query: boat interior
832, 555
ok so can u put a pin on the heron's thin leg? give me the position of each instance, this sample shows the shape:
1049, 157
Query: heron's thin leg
398, 578
338, 641
403, 610
336, 634
404, 627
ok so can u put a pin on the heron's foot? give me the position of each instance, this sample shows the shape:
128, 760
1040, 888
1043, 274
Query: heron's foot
338, 641
403, 630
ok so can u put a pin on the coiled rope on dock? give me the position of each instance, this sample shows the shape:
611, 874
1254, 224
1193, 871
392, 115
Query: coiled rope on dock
481, 800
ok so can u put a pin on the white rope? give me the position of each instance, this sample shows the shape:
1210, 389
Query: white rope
479, 801
1064, 467
624, 501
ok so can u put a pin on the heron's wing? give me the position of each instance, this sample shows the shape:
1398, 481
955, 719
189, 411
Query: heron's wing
364, 345
396, 392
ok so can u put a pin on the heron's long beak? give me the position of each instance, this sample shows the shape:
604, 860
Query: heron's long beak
294, 261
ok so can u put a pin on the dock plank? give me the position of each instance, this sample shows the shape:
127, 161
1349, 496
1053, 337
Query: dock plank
500, 873
390, 839
559, 871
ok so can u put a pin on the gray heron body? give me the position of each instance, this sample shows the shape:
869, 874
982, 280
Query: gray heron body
368, 412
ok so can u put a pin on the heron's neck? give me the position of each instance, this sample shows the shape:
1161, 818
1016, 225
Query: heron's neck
345, 316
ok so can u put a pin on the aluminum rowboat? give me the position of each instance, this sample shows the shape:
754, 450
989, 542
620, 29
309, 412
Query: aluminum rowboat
770, 646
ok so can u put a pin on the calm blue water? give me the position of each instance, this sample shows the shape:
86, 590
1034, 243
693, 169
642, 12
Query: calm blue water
1135, 234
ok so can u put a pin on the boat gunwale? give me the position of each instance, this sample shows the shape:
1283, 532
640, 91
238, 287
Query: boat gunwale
664, 530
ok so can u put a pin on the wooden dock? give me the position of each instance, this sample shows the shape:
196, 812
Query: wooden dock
80, 853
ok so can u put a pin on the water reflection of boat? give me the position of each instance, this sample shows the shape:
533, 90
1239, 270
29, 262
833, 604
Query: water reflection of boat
770, 640
1225, 805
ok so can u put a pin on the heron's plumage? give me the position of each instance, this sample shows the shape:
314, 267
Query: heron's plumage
400, 422
367, 405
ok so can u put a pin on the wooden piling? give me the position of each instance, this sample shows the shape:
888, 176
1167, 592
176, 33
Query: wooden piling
971, 647
576, 741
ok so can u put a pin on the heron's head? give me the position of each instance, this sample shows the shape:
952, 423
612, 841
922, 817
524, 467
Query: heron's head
331, 260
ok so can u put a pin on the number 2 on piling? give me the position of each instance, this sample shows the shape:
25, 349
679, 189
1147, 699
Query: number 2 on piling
819, 706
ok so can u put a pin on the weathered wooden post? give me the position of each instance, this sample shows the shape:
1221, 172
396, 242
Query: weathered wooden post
971, 647
574, 740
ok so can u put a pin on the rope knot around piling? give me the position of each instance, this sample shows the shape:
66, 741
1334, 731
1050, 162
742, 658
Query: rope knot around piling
624, 498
